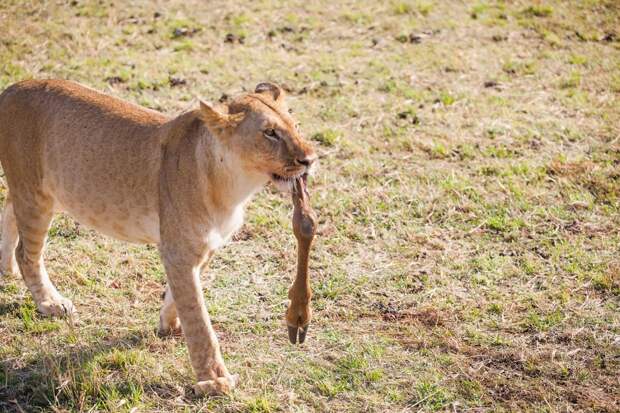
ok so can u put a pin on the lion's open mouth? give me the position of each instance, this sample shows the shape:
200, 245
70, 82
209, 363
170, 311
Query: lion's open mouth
283, 179
284, 183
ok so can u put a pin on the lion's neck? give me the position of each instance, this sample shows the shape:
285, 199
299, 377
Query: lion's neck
203, 178
219, 176
226, 188
228, 184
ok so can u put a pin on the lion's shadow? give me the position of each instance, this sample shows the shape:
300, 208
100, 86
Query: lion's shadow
8, 308
48, 380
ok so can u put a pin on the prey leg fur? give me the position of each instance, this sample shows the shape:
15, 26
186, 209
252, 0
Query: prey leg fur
299, 312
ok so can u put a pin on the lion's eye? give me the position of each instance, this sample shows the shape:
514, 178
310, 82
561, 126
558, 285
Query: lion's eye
271, 134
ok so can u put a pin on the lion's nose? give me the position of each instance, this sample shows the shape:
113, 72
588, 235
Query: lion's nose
307, 160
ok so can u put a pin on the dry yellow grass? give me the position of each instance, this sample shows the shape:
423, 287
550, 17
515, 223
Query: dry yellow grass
469, 195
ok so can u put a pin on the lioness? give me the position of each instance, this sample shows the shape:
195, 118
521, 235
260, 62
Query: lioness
137, 175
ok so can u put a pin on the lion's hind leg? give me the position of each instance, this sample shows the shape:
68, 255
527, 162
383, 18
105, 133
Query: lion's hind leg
169, 323
8, 243
34, 213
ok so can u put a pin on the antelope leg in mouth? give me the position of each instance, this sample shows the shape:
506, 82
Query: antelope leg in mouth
292, 333
299, 313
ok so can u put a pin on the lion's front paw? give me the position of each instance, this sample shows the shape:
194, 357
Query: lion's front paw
59, 307
218, 386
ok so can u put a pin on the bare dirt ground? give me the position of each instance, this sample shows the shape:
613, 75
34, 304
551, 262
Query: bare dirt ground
468, 253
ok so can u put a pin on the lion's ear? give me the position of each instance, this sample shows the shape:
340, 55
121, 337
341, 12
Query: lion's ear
217, 121
273, 90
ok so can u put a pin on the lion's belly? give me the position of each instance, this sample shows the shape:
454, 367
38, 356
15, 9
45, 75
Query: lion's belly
125, 210
109, 184
138, 225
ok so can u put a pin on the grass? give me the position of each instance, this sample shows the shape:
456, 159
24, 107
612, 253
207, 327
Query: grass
468, 195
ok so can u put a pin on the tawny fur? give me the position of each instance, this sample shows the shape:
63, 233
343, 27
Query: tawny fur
299, 312
137, 175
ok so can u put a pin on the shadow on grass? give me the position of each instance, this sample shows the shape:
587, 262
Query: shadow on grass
76, 379
9, 308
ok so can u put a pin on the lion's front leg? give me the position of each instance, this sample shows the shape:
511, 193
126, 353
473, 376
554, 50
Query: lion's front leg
184, 282
169, 323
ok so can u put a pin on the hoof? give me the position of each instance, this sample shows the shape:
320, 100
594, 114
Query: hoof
217, 387
292, 334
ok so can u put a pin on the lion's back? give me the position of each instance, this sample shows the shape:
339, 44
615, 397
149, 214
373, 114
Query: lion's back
95, 155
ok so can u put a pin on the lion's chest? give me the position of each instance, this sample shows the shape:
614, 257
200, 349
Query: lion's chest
224, 226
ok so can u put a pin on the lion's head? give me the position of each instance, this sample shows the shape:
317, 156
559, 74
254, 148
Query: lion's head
258, 127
